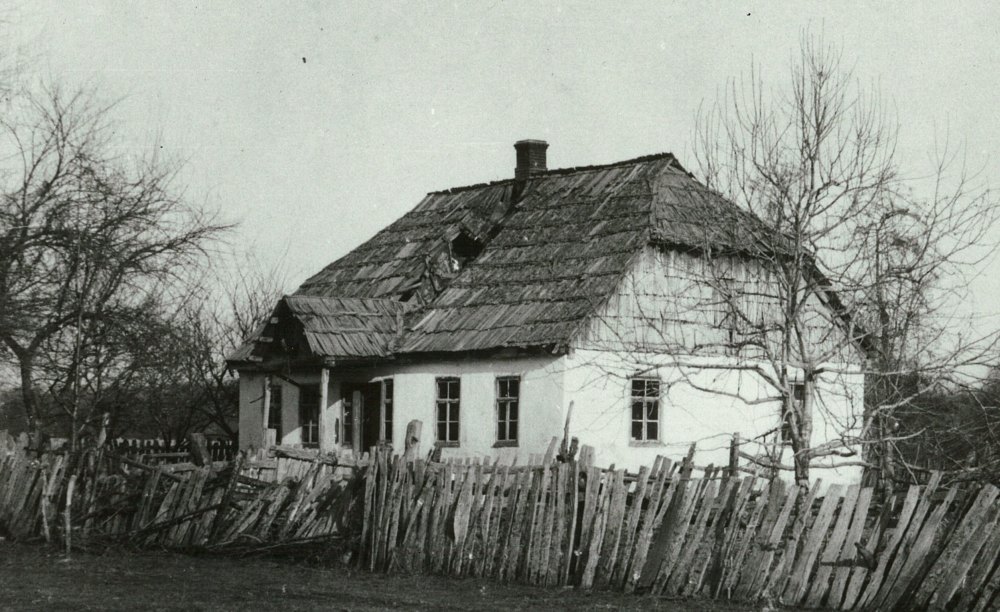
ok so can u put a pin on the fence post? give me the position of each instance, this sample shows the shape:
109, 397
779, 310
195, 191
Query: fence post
734, 456
411, 443
198, 448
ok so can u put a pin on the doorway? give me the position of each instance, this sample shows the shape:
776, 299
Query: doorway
362, 414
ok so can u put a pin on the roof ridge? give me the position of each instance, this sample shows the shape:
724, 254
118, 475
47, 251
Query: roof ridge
562, 171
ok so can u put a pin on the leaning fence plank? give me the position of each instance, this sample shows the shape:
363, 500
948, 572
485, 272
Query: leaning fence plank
834, 544
849, 551
775, 502
651, 521
590, 507
860, 572
887, 557
963, 546
990, 594
798, 582
909, 534
779, 575
597, 537
916, 555
762, 564
629, 528
734, 564
680, 577
680, 530
612, 531
977, 577
710, 545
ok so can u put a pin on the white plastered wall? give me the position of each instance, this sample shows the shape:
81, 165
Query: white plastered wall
705, 406
540, 411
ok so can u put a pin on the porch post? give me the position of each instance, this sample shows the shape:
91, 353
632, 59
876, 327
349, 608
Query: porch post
267, 411
324, 384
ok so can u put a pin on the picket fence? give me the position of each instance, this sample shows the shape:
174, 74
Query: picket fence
100, 498
662, 530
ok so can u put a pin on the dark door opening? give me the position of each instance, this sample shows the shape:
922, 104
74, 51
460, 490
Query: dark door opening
362, 414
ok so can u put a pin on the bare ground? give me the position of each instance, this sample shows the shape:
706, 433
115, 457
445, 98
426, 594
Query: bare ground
35, 577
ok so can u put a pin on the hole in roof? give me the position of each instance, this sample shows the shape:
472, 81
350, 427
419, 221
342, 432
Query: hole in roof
465, 248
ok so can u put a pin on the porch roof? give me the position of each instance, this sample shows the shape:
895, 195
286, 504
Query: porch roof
326, 327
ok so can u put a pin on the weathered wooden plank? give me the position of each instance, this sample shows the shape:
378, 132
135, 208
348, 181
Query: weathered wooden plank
534, 520
399, 501
769, 547
849, 551
954, 561
478, 514
512, 550
727, 536
631, 524
983, 567
502, 523
798, 581
651, 519
887, 557
989, 599
734, 564
663, 536
820, 583
554, 562
776, 498
708, 551
909, 534
860, 572
591, 504
783, 568
916, 555
573, 499
680, 531
692, 543
612, 529
596, 537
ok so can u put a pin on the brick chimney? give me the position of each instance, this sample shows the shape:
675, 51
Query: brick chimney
530, 158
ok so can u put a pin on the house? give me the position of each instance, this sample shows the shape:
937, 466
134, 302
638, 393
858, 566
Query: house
487, 311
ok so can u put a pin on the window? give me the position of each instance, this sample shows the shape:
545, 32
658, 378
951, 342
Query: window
797, 403
448, 392
309, 415
645, 409
385, 431
274, 412
508, 396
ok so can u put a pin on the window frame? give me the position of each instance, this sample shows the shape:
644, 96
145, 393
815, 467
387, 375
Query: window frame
645, 420
386, 401
450, 404
506, 402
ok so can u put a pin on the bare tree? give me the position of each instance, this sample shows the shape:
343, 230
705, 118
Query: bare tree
89, 234
852, 255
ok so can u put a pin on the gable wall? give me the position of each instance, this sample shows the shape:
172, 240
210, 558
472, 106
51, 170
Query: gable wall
670, 301
667, 322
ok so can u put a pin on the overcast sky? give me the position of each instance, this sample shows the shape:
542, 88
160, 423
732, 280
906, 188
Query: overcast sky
317, 123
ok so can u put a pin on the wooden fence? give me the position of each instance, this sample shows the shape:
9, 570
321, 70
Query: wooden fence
664, 532
660, 530
97, 497
157, 450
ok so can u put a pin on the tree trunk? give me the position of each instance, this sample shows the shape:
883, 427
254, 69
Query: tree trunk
33, 420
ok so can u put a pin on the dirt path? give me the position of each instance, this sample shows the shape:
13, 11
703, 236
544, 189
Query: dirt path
34, 577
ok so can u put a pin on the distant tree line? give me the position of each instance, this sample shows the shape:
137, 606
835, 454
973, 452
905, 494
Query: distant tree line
118, 301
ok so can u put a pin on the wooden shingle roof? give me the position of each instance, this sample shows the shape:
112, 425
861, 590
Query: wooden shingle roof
551, 252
